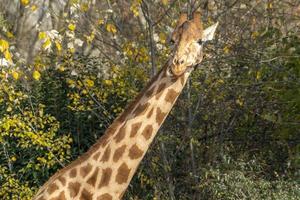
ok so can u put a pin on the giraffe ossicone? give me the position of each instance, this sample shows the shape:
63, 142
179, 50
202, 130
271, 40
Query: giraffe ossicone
106, 169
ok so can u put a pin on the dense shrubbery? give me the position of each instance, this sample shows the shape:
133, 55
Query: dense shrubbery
31, 139
241, 180
35, 144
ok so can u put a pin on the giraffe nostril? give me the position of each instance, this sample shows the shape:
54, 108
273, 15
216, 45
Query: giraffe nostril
175, 61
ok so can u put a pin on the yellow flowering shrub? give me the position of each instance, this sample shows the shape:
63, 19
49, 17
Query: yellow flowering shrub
134, 8
112, 92
4, 49
111, 28
12, 188
30, 139
135, 53
72, 27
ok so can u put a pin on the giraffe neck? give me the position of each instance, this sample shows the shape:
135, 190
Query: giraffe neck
105, 171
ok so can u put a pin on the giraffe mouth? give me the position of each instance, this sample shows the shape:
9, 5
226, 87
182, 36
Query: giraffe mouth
179, 70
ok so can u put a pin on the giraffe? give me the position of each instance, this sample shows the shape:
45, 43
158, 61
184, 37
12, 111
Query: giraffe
105, 170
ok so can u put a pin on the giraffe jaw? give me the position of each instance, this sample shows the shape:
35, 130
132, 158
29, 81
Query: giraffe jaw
177, 71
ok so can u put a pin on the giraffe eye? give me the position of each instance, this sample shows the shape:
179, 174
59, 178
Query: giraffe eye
172, 41
200, 42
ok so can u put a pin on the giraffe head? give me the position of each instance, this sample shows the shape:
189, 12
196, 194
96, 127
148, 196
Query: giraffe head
188, 38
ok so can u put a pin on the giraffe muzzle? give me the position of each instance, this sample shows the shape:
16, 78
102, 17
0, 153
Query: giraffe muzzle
177, 70
178, 66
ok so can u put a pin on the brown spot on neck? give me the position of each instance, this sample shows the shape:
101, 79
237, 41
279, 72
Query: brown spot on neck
150, 113
113, 127
135, 128
171, 95
96, 156
97, 145
105, 196
160, 89
62, 180
74, 189
86, 195
106, 154
73, 173
105, 178
141, 109
121, 134
135, 152
103, 141
147, 132
160, 116
118, 153
52, 188
85, 170
130, 107
122, 174
149, 93
92, 180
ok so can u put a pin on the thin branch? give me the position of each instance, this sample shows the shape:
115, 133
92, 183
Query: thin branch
165, 13
145, 10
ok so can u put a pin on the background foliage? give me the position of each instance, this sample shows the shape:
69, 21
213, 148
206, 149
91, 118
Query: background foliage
68, 68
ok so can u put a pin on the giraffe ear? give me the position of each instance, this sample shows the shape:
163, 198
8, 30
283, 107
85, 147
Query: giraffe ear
208, 33
182, 18
197, 20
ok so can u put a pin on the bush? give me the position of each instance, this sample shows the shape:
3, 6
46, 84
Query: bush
242, 180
